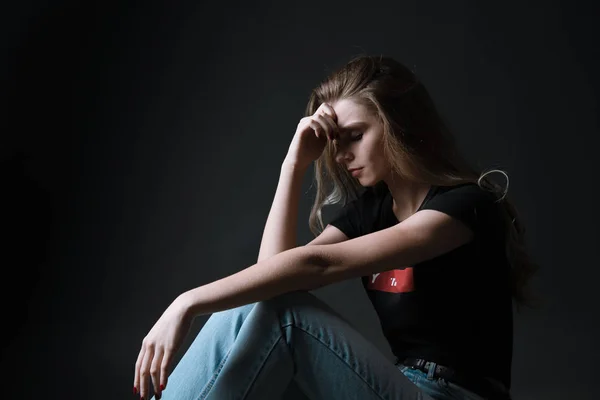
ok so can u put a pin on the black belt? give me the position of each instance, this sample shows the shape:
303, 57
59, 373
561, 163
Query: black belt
481, 386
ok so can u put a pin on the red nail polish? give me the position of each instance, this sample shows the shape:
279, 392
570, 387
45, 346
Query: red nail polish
162, 387
134, 390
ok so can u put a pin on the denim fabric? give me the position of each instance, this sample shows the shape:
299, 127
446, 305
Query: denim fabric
437, 388
255, 351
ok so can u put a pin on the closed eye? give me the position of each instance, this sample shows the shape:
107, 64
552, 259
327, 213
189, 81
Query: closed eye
343, 140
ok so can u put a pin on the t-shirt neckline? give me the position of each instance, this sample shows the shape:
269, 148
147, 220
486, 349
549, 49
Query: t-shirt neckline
389, 206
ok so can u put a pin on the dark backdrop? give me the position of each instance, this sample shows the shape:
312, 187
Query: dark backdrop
141, 146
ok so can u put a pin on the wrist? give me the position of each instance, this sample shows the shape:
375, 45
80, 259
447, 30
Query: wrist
185, 303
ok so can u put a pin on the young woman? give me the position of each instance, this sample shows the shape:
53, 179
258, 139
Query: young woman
438, 247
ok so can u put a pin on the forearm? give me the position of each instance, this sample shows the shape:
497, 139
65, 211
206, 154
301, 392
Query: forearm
299, 268
280, 232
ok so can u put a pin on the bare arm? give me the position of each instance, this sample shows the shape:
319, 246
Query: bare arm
425, 235
300, 268
281, 227
307, 145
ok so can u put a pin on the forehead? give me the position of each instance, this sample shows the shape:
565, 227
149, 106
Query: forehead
349, 111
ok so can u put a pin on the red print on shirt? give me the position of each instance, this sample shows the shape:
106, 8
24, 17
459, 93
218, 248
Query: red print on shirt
393, 281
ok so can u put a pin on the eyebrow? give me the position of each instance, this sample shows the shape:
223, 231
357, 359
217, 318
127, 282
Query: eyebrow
351, 126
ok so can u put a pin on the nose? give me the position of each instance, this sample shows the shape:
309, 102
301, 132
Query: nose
342, 155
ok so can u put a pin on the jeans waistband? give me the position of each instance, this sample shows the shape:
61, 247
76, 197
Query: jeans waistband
486, 387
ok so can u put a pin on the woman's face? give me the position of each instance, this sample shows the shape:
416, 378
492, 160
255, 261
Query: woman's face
360, 142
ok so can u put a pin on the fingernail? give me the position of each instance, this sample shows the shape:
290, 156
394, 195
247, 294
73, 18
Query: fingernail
162, 387
134, 390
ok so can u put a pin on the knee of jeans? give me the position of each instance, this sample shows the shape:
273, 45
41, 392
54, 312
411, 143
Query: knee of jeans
231, 315
277, 303
289, 300
292, 306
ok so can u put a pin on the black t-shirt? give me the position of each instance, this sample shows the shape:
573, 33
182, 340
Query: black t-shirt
455, 309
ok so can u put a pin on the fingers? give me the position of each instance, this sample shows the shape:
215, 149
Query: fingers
152, 365
331, 125
164, 369
324, 124
138, 366
321, 127
155, 370
330, 118
144, 372
326, 108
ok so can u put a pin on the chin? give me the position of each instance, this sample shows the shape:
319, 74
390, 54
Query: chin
366, 182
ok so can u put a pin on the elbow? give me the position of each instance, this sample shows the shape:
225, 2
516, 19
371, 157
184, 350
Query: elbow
318, 264
315, 265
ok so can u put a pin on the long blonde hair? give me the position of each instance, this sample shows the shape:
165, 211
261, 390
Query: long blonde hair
418, 146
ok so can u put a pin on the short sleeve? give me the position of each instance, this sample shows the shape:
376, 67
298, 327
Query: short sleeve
468, 203
350, 218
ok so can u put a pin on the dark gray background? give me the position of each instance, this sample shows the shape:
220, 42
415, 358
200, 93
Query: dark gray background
141, 149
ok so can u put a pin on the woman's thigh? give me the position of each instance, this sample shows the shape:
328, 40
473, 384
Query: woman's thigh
331, 358
292, 339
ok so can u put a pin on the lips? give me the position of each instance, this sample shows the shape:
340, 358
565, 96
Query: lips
356, 171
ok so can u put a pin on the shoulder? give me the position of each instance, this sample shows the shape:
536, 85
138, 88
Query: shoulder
355, 214
467, 194
468, 202
465, 189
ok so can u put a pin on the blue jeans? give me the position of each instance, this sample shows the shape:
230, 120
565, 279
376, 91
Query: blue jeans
438, 388
254, 352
